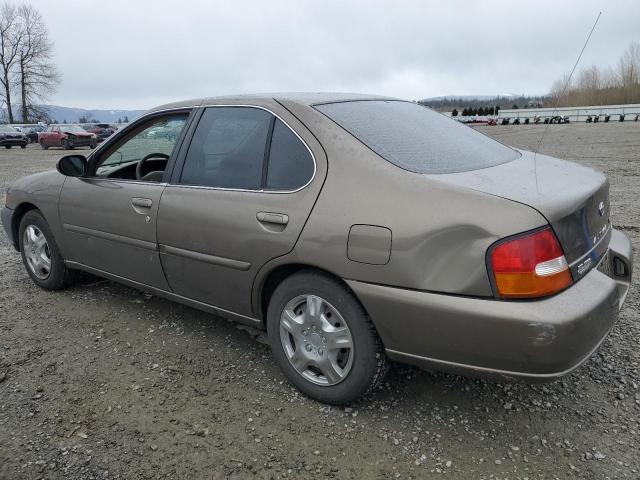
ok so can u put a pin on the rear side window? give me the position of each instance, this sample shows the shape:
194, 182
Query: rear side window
416, 138
290, 163
228, 148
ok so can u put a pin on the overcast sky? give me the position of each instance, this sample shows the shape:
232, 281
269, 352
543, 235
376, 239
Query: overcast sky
140, 53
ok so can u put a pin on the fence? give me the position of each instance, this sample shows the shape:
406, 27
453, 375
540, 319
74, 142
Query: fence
576, 114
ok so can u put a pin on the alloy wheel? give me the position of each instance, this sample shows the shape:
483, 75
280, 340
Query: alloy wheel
36, 252
316, 340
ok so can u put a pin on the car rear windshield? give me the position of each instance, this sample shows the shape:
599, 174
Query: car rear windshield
416, 138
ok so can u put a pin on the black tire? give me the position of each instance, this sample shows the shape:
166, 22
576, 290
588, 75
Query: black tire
65, 144
59, 275
7, 146
23, 146
369, 361
43, 146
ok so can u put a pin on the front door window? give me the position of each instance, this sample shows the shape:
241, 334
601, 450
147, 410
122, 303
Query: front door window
144, 153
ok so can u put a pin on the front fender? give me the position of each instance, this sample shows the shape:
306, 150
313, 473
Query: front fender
41, 191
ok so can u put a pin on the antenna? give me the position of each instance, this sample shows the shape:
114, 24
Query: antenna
564, 89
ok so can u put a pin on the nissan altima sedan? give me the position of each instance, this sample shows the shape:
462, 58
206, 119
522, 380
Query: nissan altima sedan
353, 229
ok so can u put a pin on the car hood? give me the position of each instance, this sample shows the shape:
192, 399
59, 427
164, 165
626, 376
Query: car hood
573, 198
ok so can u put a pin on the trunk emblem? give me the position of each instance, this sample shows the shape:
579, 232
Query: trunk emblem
601, 208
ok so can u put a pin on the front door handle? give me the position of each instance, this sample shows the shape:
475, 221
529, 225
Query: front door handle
141, 202
274, 218
141, 205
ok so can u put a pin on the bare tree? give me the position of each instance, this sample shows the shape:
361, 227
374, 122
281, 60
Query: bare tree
10, 40
37, 75
629, 72
595, 86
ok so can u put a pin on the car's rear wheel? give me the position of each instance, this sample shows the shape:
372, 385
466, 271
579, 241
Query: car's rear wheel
23, 146
7, 146
323, 339
40, 253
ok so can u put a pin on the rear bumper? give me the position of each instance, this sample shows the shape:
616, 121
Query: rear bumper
533, 340
6, 215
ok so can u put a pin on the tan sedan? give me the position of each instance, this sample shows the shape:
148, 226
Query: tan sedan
352, 228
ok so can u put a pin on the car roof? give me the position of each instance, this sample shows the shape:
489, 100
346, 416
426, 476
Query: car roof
302, 98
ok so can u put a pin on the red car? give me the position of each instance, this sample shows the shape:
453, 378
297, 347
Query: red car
101, 130
67, 137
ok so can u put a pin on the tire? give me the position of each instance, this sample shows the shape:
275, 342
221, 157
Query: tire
7, 146
360, 367
58, 275
44, 146
23, 146
65, 144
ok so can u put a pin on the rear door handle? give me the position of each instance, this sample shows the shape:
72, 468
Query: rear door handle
275, 218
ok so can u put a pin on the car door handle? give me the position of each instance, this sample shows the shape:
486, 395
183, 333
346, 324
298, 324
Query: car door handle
141, 202
270, 217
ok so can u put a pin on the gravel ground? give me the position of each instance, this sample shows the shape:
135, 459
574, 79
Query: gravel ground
102, 381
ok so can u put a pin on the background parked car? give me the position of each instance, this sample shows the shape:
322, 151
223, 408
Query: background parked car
32, 133
102, 131
10, 136
67, 137
168, 132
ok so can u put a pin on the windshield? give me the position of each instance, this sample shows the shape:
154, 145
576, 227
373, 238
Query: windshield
7, 129
72, 129
416, 138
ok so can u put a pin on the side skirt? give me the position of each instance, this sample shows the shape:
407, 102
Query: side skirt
205, 307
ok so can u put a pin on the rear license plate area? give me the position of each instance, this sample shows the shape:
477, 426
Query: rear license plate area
605, 265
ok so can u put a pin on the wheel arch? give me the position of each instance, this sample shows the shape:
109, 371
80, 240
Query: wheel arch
277, 274
19, 212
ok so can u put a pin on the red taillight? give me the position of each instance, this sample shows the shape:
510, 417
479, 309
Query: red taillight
530, 266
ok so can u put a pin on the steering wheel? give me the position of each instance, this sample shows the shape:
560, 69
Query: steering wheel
142, 161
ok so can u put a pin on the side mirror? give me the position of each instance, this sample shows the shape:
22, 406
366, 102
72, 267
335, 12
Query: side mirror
72, 165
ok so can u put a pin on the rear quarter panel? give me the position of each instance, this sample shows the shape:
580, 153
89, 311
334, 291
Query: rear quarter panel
440, 233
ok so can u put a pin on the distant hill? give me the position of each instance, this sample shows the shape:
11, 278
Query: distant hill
59, 114
71, 115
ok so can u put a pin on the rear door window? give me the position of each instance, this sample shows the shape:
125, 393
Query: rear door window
228, 148
291, 165
416, 138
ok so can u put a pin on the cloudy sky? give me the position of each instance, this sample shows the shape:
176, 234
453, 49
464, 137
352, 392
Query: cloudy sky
130, 54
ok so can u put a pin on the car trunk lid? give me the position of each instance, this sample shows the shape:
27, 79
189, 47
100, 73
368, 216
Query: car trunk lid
574, 199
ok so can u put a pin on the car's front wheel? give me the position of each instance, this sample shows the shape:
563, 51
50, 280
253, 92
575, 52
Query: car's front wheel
323, 339
43, 145
40, 253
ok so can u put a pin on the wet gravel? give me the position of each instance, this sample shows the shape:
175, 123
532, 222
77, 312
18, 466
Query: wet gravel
101, 381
